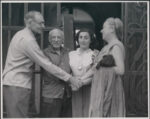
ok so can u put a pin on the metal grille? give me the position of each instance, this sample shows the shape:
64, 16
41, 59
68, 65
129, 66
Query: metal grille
135, 40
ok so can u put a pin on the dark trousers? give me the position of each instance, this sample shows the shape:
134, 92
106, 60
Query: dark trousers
16, 101
52, 107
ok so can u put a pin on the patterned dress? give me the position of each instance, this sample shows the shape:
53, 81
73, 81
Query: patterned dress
107, 93
80, 63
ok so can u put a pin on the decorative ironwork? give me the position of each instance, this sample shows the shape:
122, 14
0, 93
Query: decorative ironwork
136, 58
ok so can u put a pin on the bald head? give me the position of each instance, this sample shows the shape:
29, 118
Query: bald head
58, 31
56, 38
34, 21
31, 15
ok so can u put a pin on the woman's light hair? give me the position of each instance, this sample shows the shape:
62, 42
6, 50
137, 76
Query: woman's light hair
56, 29
117, 24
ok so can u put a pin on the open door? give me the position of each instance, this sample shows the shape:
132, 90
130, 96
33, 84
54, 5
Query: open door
134, 16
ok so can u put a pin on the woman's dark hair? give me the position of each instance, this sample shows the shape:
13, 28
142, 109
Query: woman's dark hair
91, 34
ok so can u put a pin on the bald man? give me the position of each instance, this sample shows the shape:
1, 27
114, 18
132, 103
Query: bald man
17, 75
56, 94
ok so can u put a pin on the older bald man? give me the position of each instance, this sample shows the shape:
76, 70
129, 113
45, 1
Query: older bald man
56, 94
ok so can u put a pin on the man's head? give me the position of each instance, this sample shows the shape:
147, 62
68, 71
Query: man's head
56, 38
34, 21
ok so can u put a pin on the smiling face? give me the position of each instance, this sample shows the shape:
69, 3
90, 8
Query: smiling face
56, 38
84, 40
107, 30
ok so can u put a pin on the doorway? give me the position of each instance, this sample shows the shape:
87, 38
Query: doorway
92, 16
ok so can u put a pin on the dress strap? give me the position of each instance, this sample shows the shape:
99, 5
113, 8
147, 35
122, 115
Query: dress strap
110, 49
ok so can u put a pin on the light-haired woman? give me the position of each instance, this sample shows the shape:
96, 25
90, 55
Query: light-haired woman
107, 93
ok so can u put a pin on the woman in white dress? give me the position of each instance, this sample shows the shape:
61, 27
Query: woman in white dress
80, 63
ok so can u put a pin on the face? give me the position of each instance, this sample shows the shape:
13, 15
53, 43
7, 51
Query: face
56, 39
84, 40
37, 24
106, 31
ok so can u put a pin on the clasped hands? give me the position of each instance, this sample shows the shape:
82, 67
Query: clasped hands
75, 83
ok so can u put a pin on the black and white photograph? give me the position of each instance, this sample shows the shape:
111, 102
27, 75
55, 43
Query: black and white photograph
74, 59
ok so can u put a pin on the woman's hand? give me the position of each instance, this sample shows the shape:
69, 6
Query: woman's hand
95, 53
76, 87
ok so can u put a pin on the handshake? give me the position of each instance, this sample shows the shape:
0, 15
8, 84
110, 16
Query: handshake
75, 83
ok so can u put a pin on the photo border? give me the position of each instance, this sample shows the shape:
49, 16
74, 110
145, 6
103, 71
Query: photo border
74, 1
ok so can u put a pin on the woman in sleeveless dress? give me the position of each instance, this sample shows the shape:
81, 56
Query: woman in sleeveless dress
80, 63
107, 93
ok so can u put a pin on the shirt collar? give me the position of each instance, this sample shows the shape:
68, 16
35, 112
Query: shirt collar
52, 50
87, 51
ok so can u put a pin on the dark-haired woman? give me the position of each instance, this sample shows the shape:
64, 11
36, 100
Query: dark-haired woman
80, 63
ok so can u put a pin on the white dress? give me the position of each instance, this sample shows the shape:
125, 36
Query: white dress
80, 62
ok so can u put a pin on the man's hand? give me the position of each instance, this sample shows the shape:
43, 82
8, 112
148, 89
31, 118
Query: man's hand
75, 83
